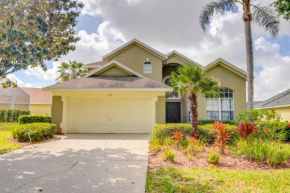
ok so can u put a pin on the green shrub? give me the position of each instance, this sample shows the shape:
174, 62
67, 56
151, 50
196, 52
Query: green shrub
162, 131
209, 121
273, 153
11, 115
24, 119
257, 115
168, 155
37, 131
214, 158
274, 131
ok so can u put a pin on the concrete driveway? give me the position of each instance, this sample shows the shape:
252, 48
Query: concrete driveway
78, 163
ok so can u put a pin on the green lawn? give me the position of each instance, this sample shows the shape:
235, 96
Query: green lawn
6, 133
206, 180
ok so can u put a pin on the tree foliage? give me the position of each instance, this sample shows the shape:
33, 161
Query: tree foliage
283, 8
71, 70
192, 80
264, 16
35, 31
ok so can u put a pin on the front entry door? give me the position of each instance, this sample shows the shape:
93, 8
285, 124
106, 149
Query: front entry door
173, 114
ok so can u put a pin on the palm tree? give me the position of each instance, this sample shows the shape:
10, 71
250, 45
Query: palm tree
71, 70
263, 15
192, 80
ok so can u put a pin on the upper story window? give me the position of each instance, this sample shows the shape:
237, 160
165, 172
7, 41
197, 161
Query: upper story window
220, 107
174, 94
147, 67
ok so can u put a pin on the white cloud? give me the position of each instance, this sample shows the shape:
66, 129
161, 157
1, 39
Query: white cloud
168, 25
19, 82
89, 49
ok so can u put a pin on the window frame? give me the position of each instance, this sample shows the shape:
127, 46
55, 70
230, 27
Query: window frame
145, 68
220, 103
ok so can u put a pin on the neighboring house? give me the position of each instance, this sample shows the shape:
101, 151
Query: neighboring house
40, 101
280, 103
21, 101
129, 92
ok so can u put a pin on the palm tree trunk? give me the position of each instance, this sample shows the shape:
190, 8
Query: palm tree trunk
193, 115
247, 17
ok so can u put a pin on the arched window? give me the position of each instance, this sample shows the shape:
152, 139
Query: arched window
220, 107
173, 95
147, 67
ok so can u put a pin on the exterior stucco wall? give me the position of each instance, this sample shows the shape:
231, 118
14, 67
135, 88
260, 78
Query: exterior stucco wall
24, 107
284, 112
114, 71
40, 109
56, 111
134, 57
176, 59
231, 80
161, 110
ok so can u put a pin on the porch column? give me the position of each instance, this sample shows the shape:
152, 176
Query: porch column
64, 123
154, 100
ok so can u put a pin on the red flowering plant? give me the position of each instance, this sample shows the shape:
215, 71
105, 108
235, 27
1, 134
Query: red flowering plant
177, 135
245, 130
221, 135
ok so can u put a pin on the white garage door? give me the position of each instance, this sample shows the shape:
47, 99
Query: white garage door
97, 115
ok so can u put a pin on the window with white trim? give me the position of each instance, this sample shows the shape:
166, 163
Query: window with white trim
174, 94
220, 107
147, 67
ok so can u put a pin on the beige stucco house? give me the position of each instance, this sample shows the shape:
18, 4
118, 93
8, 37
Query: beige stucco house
129, 92
34, 100
280, 103
40, 101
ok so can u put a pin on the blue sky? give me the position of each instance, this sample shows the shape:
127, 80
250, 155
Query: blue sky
106, 24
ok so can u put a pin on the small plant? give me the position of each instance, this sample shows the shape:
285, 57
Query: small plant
177, 135
273, 153
168, 155
221, 136
246, 130
214, 158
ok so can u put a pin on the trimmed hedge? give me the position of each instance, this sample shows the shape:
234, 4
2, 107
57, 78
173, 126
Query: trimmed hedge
37, 132
24, 119
162, 131
11, 115
208, 121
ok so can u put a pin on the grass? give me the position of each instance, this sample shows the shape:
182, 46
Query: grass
203, 180
6, 133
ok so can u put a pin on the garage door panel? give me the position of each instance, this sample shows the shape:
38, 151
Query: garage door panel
109, 115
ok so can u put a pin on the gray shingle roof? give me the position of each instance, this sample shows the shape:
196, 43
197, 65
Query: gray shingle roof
98, 82
282, 99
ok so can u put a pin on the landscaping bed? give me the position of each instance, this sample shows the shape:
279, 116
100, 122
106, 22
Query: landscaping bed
29, 129
226, 158
227, 161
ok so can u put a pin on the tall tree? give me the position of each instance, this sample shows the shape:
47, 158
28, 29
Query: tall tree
263, 15
35, 31
192, 80
71, 70
283, 8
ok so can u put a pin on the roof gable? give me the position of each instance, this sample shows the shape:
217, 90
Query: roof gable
226, 65
38, 96
113, 68
138, 43
182, 57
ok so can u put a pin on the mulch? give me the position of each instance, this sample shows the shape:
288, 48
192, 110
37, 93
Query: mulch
227, 161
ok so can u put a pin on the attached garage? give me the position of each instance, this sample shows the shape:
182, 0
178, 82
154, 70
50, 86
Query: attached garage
108, 101
103, 115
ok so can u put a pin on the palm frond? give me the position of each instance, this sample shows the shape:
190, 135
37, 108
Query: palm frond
217, 8
267, 18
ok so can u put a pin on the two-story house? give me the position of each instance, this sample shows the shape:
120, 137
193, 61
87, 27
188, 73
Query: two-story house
129, 91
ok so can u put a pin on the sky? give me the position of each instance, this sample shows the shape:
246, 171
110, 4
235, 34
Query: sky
168, 25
